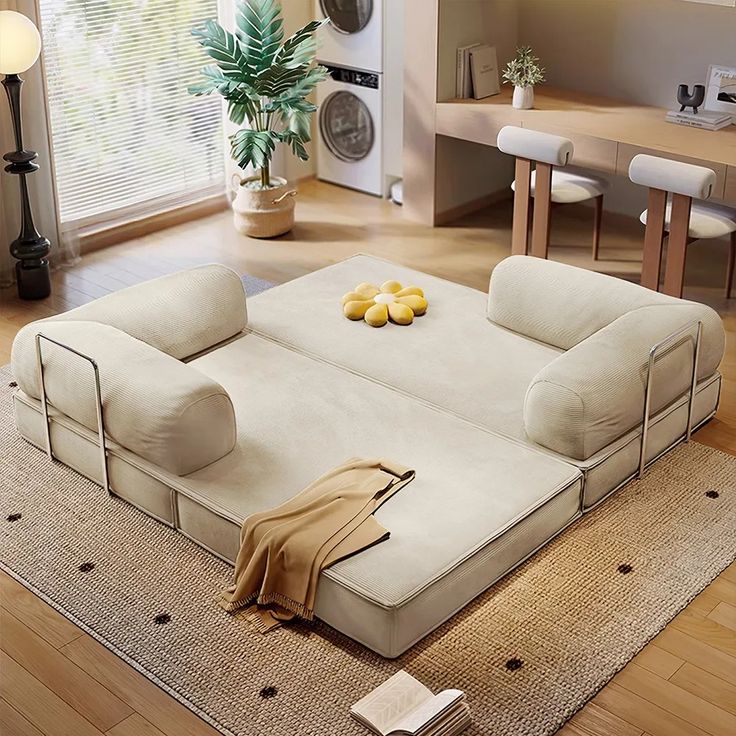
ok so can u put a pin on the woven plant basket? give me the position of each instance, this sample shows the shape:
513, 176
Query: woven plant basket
264, 213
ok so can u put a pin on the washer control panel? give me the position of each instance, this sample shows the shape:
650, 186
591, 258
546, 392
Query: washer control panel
352, 76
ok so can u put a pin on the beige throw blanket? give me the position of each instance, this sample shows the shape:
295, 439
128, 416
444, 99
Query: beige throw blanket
283, 550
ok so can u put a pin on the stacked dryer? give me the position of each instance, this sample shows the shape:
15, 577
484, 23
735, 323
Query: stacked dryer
353, 142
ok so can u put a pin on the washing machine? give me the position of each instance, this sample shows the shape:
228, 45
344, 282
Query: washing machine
350, 120
354, 36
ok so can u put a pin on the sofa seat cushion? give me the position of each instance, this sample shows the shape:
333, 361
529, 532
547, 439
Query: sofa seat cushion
154, 405
452, 356
470, 489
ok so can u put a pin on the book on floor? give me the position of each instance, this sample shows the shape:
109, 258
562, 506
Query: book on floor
402, 706
484, 71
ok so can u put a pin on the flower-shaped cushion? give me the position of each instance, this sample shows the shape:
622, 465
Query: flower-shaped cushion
392, 301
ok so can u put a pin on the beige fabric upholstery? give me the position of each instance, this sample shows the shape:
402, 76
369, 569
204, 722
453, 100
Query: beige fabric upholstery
594, 393
706, 220
561, 305
569, 186
536, 146
181, 314
154, 405
672, 176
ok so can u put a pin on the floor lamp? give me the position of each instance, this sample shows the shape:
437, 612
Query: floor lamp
20, 45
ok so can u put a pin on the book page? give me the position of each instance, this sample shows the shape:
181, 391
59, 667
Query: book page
390, 702
428, 711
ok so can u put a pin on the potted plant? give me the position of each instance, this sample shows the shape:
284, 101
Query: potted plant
266, 82
523, 72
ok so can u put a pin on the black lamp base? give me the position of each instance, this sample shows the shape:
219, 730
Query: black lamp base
34, 282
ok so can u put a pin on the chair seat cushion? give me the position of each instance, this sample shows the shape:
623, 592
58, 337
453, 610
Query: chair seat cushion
570, 186
706, 220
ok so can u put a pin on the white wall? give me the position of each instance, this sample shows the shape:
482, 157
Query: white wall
637, 50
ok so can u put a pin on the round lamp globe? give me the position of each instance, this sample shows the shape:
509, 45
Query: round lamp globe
20, 42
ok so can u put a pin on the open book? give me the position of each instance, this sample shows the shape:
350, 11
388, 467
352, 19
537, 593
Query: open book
402, 706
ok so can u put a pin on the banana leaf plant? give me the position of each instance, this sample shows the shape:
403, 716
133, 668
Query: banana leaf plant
265, 80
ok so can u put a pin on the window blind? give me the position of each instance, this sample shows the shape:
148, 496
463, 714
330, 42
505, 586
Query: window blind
127, 137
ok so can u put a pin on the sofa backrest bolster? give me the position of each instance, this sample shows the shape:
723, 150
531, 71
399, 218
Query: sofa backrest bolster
593, 394
153, 404
561, 305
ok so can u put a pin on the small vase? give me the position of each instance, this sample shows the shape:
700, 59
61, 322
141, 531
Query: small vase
523, 98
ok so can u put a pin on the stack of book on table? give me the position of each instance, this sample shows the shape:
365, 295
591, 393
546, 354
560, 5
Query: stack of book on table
705, 119
477, 72
402, 706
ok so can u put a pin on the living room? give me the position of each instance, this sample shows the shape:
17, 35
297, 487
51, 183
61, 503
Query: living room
480, 254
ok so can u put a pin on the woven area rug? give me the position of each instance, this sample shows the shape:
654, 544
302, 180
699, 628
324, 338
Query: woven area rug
528, 653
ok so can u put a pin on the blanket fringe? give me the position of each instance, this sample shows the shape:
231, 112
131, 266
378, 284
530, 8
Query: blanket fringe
298, 609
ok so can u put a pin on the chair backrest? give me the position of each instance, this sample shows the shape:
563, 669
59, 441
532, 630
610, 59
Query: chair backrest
535, 146
672, 176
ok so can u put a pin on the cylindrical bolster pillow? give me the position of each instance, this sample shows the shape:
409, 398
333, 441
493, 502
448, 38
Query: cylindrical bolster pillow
536, 146
181, 314
594, 393
153, 405
560, 305
672, 176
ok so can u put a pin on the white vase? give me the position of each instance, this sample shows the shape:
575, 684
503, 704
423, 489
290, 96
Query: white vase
523, 98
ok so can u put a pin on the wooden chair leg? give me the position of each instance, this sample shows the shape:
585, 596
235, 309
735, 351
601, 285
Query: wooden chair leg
597, 221
674, 274
522, 196
653, 236
542, 210
731, 265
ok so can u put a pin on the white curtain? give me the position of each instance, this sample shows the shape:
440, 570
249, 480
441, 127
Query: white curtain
36, 137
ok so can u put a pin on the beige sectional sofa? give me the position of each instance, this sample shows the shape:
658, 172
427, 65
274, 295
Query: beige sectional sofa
518, 411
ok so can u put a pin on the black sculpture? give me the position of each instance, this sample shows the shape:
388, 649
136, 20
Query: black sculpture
694, 100
30, 247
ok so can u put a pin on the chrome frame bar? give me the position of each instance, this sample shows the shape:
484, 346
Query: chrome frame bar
98, 404
668, 342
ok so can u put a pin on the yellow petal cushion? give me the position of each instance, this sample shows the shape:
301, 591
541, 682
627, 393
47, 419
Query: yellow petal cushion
391, 301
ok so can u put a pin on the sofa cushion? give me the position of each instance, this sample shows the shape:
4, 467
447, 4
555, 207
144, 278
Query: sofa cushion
154, 405
181, 314
558, 304
594, 393
452, 356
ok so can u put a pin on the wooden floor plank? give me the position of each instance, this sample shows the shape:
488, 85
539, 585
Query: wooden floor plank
596, 721
699, 653
677, 701
12, 723
634, 709
42, 707
134, 725
82, 692
706, 686
724, 614
724, 590
132, 688
658, 661
706, 630
48, 623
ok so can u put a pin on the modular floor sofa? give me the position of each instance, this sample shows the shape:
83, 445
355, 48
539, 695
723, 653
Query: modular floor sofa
519, 410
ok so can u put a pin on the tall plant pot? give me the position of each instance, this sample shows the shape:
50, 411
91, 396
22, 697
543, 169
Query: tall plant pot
263, 213
523, 98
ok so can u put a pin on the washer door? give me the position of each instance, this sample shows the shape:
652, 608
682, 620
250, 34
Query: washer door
346, 126
348, 16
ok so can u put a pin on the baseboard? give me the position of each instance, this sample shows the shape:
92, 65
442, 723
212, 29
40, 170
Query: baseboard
95, 238
502, 195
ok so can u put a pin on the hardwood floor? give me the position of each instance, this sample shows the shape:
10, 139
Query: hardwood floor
58, 680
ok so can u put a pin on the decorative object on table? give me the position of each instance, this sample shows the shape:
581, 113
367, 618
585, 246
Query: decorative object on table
705, 119
463, 79
692, 99
402, 705
20, 46
720, 93
266, 82
484, 71
524, 73
391, 301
